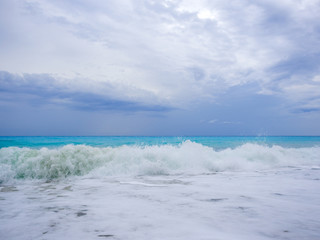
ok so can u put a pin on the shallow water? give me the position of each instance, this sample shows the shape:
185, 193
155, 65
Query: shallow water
273, 204
186, 190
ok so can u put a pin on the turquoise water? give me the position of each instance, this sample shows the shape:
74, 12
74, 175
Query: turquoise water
215, 142
61, 157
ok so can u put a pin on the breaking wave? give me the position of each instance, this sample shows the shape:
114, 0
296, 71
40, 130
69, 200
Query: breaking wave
186, 158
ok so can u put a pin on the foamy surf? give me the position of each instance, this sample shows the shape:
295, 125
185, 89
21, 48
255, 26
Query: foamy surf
152, 188
186, 158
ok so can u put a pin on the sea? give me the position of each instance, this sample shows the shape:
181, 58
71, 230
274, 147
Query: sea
217, 188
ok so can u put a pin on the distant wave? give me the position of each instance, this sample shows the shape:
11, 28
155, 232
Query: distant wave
186, 158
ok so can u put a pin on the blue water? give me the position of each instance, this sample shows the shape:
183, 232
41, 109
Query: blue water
217, 143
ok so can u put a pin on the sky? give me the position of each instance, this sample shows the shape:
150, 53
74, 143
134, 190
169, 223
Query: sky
159, 67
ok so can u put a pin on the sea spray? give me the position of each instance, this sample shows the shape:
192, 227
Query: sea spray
186, 158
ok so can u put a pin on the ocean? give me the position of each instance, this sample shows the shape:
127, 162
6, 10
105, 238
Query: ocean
160, 188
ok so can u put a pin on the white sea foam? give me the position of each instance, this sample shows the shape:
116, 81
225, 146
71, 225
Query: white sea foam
121, 193
188, 157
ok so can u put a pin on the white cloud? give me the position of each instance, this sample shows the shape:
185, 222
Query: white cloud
144, 50
301, 91
206, 14
212, 121
316, 78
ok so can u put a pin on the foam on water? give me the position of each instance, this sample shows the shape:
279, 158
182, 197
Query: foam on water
187, 158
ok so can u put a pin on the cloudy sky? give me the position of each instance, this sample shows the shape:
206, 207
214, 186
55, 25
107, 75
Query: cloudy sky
162, 67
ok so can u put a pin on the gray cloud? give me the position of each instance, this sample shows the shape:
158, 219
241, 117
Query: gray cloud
148, 48
42, 89
158, 56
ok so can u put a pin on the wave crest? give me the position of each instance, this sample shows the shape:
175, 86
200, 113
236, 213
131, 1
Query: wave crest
188, 157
